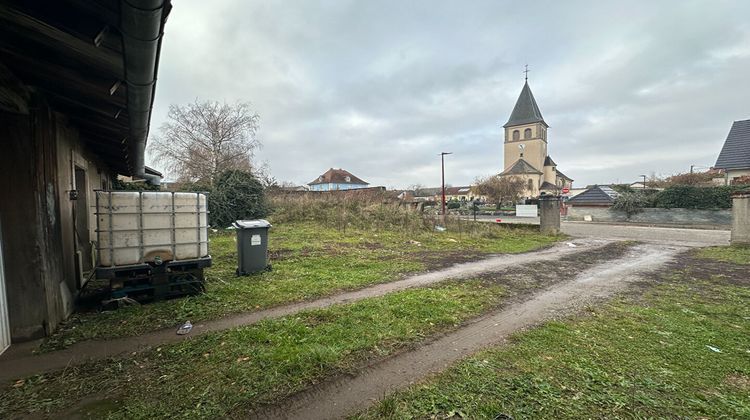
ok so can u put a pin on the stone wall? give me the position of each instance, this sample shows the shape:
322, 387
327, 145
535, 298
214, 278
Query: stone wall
686, 217
741, 218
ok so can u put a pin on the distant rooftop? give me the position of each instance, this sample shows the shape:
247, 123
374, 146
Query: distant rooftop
337, 176
598, 195
736, 151
521, 167
457, 190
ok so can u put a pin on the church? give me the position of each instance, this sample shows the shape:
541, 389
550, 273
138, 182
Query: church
525, 149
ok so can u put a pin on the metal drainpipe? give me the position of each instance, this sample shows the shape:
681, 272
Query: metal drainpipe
141, 29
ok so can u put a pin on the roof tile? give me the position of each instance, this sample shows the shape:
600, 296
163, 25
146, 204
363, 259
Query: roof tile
736, 151
597, 195
526, 110
521, 167
337, 176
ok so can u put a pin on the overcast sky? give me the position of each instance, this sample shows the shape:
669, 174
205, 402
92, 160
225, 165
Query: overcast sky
381, 87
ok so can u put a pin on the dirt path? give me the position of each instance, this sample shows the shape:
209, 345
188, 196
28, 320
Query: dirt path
684, 235
19, 361
347, 395
663, 235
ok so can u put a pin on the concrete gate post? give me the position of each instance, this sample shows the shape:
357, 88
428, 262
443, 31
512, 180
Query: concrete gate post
549, 214
741, 218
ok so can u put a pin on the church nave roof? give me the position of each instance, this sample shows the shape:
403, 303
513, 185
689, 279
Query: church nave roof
521, 167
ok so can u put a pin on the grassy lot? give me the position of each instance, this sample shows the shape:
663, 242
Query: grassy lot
310, 259
212, 375
680, 350
733, 254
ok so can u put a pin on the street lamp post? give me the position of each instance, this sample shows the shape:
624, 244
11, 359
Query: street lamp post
442, 172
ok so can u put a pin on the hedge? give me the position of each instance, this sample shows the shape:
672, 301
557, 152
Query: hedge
236, 195
692, 197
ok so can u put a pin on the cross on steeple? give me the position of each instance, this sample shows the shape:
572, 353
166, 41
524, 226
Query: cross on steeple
526, 78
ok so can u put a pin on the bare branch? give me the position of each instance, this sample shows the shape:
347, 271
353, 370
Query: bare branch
202, 139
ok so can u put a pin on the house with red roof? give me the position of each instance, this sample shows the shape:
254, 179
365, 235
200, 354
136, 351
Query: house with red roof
337, 180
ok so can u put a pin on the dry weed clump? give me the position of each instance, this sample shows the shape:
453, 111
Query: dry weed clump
377, 210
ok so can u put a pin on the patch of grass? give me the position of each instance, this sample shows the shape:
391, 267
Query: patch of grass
734, 254
309, 261
212, 374
644, 360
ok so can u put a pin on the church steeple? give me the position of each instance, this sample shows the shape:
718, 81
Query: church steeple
526, 110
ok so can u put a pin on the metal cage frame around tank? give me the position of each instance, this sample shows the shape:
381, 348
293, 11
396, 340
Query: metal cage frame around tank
140, 229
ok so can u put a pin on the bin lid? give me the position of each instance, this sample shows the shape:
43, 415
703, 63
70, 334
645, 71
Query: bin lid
250, 224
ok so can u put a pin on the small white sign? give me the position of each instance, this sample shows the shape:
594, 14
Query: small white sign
526, 210
255, 240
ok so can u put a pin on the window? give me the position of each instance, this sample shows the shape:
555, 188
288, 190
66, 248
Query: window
348, 179
516, 135
527, 133
531, 185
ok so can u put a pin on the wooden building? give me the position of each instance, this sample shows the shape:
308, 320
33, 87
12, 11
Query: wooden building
77, 80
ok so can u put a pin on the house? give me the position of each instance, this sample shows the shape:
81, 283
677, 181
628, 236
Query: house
595, 196
336, 180
77, 81
525, 149
734, 157
429, 194
465, 193
420, 195
458, 194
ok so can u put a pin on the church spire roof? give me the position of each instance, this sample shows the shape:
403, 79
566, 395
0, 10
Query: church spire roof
526, 110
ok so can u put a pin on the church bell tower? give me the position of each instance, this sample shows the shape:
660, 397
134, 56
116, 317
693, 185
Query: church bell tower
525, 132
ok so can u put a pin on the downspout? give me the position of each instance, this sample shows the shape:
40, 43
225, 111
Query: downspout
141, 26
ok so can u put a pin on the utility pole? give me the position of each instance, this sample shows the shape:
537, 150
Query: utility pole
442, 171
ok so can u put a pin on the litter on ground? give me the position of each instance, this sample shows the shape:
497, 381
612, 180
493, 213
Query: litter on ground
185, 328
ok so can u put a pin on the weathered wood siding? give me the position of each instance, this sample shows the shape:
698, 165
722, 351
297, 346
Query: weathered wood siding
40, 150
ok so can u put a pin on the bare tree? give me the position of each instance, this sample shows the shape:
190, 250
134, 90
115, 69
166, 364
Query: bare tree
655, 181
416, 189
499, 189
200, 140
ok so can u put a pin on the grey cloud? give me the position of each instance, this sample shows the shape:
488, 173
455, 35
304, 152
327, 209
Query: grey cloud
380, 88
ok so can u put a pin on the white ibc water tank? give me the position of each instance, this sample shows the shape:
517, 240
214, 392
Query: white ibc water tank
139, 227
